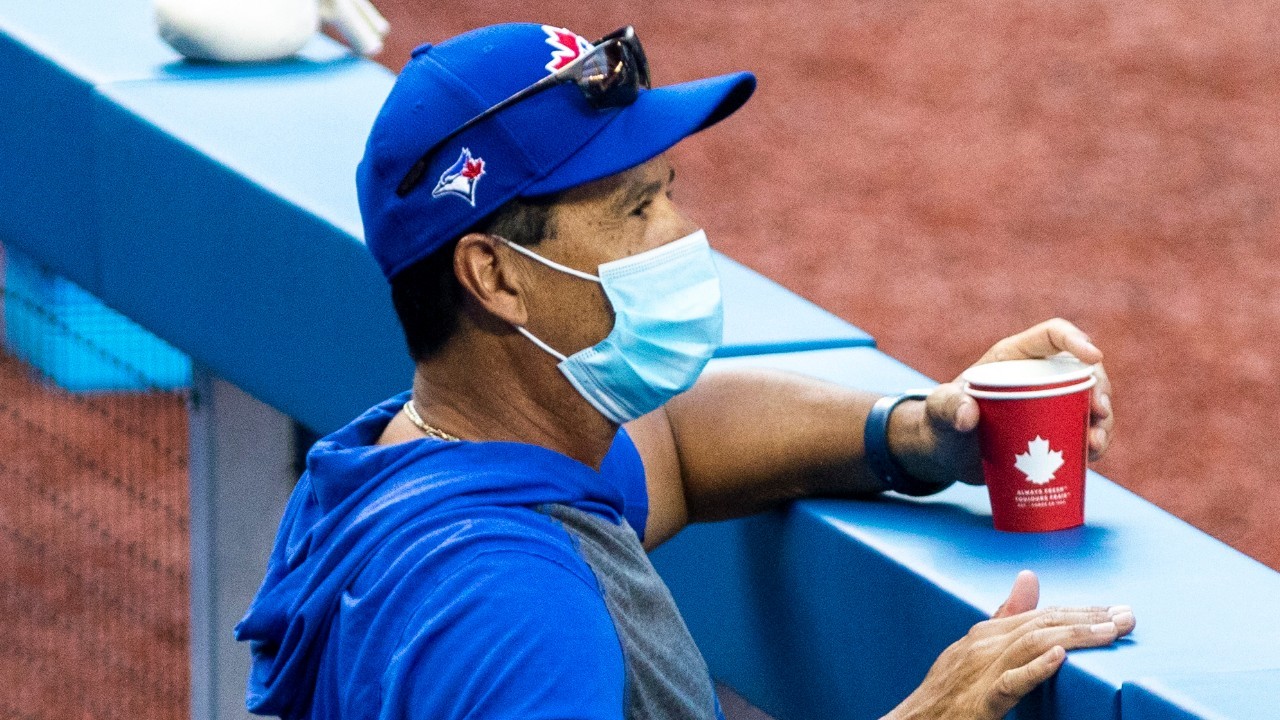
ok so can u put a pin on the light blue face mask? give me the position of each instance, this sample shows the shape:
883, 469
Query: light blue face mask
668, 320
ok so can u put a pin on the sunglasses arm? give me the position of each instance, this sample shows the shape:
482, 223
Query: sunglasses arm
414, 176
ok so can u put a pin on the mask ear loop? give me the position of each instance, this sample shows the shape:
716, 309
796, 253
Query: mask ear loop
555, 266
534, 339
549, 263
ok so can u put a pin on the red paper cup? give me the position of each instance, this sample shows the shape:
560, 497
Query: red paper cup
1034, 445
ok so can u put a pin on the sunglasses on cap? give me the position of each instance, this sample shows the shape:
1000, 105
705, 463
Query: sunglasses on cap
609, 75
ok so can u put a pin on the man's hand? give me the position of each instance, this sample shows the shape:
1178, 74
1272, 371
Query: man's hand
938, 441
984, 674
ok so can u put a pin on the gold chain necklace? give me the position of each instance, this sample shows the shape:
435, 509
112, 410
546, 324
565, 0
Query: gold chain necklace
430, 430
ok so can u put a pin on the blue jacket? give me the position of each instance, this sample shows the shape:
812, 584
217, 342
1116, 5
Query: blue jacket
417, 580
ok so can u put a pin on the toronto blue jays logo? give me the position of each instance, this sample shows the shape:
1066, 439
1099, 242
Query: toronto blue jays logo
567, 46
461, 178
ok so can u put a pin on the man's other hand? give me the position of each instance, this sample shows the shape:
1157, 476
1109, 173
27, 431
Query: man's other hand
985, 673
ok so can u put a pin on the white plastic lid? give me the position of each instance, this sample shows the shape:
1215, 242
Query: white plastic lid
1020, 373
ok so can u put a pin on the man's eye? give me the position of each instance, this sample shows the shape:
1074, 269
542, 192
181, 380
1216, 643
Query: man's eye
639, 211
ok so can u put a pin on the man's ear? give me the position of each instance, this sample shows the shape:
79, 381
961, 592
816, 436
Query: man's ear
490, 277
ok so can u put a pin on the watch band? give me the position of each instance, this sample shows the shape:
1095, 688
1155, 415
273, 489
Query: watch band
875, 440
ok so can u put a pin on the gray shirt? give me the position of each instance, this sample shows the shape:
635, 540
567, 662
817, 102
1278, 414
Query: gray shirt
666, 674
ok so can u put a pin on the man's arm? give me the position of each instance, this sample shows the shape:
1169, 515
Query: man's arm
742, 441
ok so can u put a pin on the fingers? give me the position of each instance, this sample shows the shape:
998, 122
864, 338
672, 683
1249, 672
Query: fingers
1125, 620
1023, 597
1015, 626
1045, 340
949, 408
1101, 416
1014, 684
951, 416
1002, 659
1100, 398
1070, 630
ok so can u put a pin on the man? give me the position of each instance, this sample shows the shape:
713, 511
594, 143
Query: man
476, 547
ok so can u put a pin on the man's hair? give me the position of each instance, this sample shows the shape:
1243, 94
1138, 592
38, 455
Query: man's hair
427, 295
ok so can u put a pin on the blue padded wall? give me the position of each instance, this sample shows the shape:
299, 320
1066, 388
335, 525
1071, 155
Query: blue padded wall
1250, 695
761, 316
233, 201
54, 54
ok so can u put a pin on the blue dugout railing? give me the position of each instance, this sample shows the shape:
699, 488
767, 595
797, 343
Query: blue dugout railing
215, 206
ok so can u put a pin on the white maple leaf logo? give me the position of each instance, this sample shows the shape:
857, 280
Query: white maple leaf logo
1038, 463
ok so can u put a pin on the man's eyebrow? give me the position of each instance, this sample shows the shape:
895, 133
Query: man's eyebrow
637, 193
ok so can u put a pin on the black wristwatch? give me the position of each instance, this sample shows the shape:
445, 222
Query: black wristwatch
875, 441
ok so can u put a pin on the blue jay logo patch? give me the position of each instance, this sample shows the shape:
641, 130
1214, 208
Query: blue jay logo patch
461, 178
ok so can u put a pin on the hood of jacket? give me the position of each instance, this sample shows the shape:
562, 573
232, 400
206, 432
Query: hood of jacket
355, 498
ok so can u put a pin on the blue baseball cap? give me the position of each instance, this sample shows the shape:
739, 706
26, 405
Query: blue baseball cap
544, 144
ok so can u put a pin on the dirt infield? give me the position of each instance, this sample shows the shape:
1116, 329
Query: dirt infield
944, 174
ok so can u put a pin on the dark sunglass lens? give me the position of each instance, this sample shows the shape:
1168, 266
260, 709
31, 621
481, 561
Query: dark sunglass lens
608, 76
638, 60
595, 70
